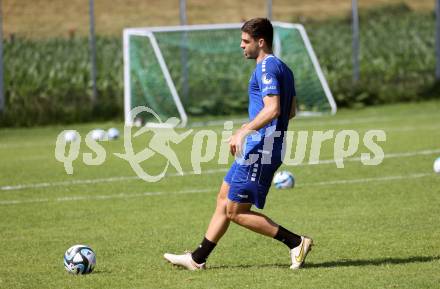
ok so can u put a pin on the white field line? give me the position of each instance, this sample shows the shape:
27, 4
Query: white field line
386, 156
367, 180
368, 119
101, 197
301, 125
96, 181
314, 121
359, 130
204, 172
409, 128
219, 130
148, 194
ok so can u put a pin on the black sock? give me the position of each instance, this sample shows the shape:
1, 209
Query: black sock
202, 252
292, 240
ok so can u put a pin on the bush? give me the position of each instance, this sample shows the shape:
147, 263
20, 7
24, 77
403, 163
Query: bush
48, 81
397, 58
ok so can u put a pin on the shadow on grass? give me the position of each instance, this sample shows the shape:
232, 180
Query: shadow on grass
341, 263
373, 262
101, 271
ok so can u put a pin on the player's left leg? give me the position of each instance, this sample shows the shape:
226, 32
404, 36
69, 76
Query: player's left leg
217, 228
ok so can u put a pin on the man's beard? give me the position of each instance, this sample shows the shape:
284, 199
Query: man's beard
250, 55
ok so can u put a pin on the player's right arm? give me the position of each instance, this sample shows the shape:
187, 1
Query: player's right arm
292, 113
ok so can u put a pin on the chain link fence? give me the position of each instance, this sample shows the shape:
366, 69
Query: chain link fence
47, 57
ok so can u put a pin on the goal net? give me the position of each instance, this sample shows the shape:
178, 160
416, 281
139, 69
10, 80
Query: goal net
197, 70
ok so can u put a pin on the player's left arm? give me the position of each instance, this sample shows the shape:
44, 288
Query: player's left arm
292, 113
270, 111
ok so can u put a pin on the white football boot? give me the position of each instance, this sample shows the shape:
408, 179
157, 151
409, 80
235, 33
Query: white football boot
184, 260
299, 253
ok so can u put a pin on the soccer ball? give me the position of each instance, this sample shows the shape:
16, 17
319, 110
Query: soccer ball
283, 180
79, 259
437, 165
98, 135
70, 135
113, 133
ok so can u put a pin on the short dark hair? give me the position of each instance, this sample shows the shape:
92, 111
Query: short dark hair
259, 28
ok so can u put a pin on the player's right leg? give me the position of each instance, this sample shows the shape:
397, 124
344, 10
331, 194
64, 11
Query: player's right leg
217, 227
299, 253
219, 221
251, 186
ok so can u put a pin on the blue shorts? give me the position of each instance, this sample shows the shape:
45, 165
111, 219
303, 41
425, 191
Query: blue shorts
250, 183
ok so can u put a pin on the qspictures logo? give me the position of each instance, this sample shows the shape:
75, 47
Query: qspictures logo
206, 146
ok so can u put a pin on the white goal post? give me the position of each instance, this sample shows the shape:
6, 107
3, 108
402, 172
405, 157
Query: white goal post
164, 68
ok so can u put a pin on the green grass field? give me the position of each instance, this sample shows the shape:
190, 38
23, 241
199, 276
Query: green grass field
374, 226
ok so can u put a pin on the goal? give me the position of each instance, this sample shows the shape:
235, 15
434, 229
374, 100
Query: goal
196, 70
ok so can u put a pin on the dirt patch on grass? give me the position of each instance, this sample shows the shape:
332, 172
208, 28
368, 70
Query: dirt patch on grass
42, 18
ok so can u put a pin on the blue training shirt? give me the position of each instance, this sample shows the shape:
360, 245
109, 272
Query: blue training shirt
271, 76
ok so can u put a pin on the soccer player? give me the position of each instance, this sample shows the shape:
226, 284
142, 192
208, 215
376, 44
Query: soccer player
272, 103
